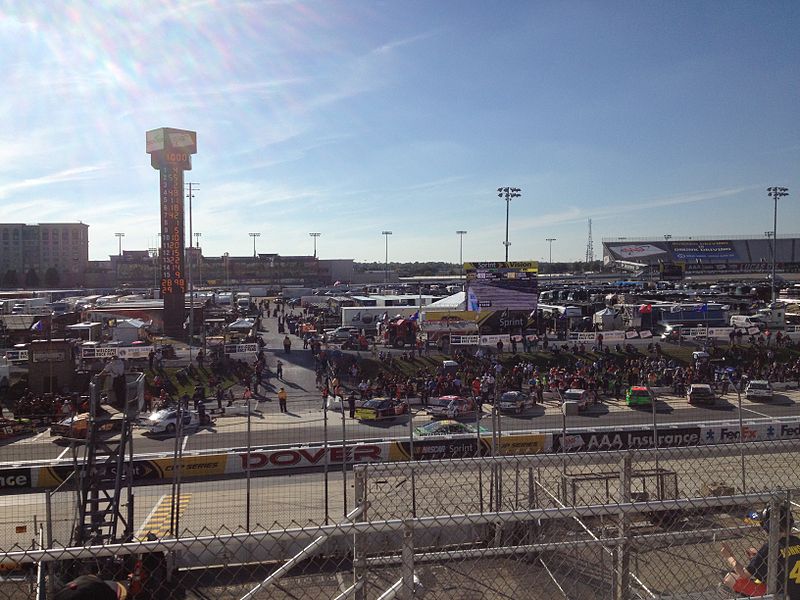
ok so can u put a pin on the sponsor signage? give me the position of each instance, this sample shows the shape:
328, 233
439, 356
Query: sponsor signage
309, 457
461, 447
636, 250
241, 348
465, 340
668, 437
49, 356
17, 355
712, 332
591, 336
133, 352
491, 340
704, 250
15, 479
502, 286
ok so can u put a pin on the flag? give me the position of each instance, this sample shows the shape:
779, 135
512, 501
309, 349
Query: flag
645, 309
702, 308
414, 317
38, 326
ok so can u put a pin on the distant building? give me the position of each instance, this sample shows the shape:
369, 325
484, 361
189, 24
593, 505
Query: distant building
43, 255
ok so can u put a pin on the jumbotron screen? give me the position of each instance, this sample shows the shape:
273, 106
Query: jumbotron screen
502, 285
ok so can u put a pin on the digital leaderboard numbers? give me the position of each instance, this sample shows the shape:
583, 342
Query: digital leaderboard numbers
173, 280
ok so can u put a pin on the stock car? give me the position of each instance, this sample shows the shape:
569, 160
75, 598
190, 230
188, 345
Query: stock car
581, 397
514, 400
758, 389
77, 426
12, 428
638, 395
446, 427
451, 407
166, 421
379, 409
701, 393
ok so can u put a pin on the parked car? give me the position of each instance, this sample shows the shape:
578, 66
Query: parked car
638, 395
446, 427
340, 334
514, 401
581, 397
378, 409
701, 393
451, 407
166, 421
758, 389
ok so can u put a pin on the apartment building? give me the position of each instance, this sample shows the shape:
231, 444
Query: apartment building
45, 254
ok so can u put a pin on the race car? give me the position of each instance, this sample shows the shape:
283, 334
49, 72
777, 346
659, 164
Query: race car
12, 428
378, 409
580, 397
451, 407
447, 427
638, 395
514, 401
166, 421
758, 389
77, 426
701, 393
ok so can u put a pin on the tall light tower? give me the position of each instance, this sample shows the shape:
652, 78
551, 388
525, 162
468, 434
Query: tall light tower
119, 237
461, 233
775, 192
197, 235
386, 234
315, 235
507, 193
551, 240
254, 235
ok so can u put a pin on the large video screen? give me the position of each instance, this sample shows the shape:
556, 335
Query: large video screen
502, 285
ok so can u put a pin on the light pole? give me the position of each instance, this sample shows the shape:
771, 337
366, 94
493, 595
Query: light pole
775, 192
667, 237
507, 193
154, 256
197, 235
461, 233
254, 235
386, 234
226, 257
551, 240
315, 235
119, 237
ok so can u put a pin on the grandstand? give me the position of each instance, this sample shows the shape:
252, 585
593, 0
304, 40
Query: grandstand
742, 254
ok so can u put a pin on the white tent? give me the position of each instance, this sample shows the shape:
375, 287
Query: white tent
607, 319
455, 302
128, 331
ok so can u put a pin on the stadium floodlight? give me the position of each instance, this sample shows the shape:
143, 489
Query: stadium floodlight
386, 234
507, 193
551, 240
775, 192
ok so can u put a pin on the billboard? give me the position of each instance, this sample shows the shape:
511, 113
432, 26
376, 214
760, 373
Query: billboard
704, 250
502, 286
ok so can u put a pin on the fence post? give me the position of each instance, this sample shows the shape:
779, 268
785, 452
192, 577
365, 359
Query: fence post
407, 589
776, 507
622, 559
359, 556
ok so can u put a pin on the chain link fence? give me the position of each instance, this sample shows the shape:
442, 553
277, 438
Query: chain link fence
629, 524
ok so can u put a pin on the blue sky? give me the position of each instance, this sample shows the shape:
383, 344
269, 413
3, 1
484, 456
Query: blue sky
349, 118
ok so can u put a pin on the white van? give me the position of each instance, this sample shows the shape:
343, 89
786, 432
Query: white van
745, 321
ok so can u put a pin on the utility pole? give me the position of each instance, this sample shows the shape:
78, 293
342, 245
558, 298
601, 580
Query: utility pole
119, 237
119, 256
197, 235
190, 195
508, 193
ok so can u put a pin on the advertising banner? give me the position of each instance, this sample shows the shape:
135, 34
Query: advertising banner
292, 458
461, 321
241, 348
634, 251
491, 340
465, 340
668, 437
704, 250
132, 352
502, 285
15, 479
462, 447
17, 355
712, 332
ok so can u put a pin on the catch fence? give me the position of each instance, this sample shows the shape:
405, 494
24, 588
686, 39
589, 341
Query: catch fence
629, 524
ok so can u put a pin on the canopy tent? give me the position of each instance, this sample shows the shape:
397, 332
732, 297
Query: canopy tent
455, 302
242, 325
607, 319
88, 330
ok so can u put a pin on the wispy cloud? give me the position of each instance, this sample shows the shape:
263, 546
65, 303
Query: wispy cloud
67, 175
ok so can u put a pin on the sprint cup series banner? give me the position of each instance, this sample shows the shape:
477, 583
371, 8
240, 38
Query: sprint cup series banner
501, 286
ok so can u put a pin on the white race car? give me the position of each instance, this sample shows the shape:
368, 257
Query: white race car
166, 421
